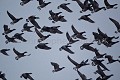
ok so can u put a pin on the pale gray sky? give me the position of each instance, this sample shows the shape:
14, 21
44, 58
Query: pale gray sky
39, 62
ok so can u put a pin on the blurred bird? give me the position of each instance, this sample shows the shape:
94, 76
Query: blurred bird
66, 48
53, 29
98, 55
43, 46
7, 30
109, 6
99, 62
110, 59
4, 51
19, 37
41, 37
27, 28
83, 77
14, 19
84, 6
64, 6
117, 24
71, 41
102, 74
10, 39
88, 47
78, 34
27, 76
42, 4
77, 65
32, 20
95, 6
19, 54
56, 67
86, 18
23, 2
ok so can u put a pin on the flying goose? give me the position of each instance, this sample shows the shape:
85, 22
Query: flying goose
26, 76
2, 76
117, 24
64, 6
27, 28
86, 18
19, 37
53, 29
7, 30
66, 48
110, 59
14, 19
56, 67
71, 41
83, 77
23, 2
99, 62
19, 54
10, 39
78, 34
32, 20
84, 6
102, 74
41, 36
4, 51
43, 46
109, 6
78, 65
88, 47
42, 4
95, 6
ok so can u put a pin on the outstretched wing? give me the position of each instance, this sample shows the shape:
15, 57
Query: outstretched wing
106, 3
117, 24
11, 16
74, 30
72, 61
63, 6
38, 33
16, 52
68, 50
40, 2
56, 66
68, 37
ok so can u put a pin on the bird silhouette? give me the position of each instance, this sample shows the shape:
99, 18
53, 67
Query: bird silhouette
23, 2
27, 28
56, 67
26, 76
43, 46
14, 19
109, 6
7, 30
78, 65
19, 54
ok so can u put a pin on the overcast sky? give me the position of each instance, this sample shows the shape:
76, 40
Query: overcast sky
39, 61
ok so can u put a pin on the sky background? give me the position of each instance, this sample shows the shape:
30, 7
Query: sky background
39, 61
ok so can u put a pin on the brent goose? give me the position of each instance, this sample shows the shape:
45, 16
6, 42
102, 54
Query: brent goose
26, 76
43, 46
10, 39
14, 19
56, 67
109, 6
27, 28
23, 2
7, 30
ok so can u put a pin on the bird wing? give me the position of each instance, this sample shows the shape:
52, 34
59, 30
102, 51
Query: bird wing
5, 27
56, 66
106, 3
65, 8
72, 61
11, 16
16, 52
40, 2
68, 50
74, 30
4, 51
117, 24
38, 33
68, 37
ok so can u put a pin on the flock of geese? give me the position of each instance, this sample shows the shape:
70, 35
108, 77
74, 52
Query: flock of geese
100, 37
